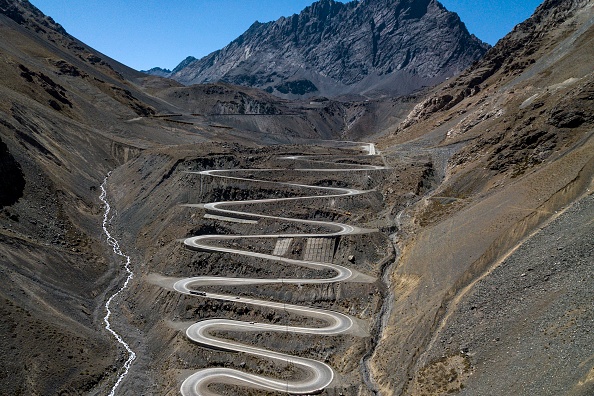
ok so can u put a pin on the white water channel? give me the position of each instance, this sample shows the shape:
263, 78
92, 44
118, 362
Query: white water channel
111, 241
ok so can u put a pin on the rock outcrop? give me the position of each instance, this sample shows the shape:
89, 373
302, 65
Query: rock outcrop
13, 181
157, 71
369, 47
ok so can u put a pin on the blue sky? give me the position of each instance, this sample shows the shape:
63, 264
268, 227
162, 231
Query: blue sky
148, 33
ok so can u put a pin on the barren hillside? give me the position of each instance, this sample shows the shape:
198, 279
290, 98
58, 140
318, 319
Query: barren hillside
489, 292
62, 127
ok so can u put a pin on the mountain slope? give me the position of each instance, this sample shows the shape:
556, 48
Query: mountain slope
367, 47
490, 288
64, 123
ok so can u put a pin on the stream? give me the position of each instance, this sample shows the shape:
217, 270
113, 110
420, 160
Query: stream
111, 241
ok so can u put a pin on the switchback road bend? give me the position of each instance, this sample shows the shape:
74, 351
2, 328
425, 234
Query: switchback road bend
319, 375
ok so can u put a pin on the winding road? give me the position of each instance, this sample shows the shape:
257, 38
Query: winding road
319, 375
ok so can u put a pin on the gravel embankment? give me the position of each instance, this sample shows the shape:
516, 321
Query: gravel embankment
528, 327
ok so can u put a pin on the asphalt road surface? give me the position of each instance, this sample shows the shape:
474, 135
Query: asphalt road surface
319, 375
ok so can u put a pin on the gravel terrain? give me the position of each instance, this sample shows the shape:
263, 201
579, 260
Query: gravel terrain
526, 328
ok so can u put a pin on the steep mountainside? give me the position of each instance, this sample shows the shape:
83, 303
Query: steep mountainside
65, 121
369, 47
490, 293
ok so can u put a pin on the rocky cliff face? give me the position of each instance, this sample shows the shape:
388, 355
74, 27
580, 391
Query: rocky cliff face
369, 47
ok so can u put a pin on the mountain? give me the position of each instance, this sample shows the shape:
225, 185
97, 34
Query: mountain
68, 115
482, 248
488, 203
492, 289
368, 47
157, 71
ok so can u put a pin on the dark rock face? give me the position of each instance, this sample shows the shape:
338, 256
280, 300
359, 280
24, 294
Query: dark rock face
371, 47
11, 177
157, 71
184, 63
512, 55
24, 13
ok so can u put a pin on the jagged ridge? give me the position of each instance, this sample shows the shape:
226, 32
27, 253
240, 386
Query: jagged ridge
332, 48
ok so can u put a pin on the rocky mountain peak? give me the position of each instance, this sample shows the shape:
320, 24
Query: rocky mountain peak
26, 14
184, 63
324, 9
369, 47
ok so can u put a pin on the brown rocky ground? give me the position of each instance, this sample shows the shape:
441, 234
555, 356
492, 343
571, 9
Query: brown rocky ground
514, 136
148, 199
528, 320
